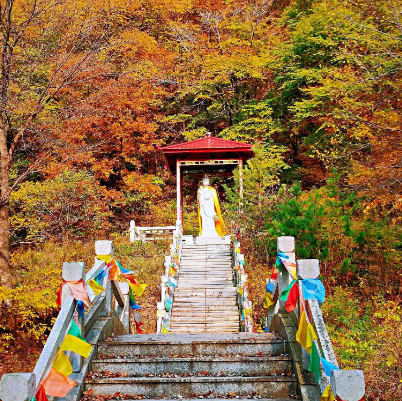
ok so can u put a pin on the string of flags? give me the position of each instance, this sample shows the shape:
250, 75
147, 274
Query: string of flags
85, 293
164, 310
298, 291
56, 382
242, 288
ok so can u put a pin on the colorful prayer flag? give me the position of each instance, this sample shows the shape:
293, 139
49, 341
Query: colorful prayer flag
138, 322
105, 258
75, 344
315, 365
290, 295
75, 331
268, 301
137, 289
328, 395
79, 291
328, 366
57, 384
40, 394
101, 275
305, 333
313, 289
96, 288
285, 292
62, 364
80, 309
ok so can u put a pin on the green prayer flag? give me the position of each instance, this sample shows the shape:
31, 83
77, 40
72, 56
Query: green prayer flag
132, 296
75, 331
315, 363
279, 265
285, 292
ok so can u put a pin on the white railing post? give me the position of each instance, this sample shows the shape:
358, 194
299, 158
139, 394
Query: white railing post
132, 231
348, 385
17, 386
74, 272
106, 248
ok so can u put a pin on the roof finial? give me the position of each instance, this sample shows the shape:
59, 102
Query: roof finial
209, 134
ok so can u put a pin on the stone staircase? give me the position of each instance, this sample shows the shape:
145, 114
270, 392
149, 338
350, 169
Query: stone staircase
177, 366
205, 297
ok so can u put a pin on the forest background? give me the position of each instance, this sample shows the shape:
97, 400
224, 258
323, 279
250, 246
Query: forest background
90, 90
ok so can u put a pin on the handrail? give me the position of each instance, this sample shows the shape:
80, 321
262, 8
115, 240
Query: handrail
169, 280
140, 233
240, 279
347, 385
22, 386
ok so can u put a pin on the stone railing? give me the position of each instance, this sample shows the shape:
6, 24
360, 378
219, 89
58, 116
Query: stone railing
240, 279
169, 281
346, 385
145, 234
109, 314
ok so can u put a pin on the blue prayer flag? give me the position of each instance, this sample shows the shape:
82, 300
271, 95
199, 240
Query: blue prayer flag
270, 287
328, 366
313, 289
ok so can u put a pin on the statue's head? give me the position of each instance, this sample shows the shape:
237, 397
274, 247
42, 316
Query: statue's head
205, 181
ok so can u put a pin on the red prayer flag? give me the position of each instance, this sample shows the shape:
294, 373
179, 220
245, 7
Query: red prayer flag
292, 299
129, 277
41, 394
58, 293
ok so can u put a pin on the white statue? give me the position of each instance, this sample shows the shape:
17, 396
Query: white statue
209, 213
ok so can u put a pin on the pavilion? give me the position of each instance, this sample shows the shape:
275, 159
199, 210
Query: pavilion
209, 154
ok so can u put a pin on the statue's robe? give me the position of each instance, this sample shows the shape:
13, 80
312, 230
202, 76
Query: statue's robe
218, 224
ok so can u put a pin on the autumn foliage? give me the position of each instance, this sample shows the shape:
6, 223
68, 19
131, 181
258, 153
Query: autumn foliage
90, 90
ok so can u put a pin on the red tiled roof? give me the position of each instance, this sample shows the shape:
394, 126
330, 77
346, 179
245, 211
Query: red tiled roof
207, 143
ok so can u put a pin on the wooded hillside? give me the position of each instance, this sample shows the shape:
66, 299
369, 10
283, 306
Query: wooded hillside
89, 91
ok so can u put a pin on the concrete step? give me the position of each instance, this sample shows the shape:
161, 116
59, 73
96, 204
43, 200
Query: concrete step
159, 387
250, 397
193, 344
236, 365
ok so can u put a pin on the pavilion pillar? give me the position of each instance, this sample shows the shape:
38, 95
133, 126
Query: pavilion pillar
241, 178
179, 190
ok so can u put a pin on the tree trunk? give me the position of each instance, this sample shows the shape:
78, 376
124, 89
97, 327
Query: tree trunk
5, 163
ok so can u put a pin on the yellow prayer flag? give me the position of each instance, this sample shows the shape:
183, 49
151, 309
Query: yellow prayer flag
328, 395
247, 312
75, 344
164, 330
105, 258
96, 288
137, 289
268, 301
62, 364
305, 333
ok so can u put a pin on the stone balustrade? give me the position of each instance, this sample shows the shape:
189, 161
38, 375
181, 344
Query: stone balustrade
172, 267
104, 318
346, 385
240, 279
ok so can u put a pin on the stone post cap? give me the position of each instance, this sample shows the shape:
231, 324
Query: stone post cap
104, 248
308, 268
73, 271
348, 385
286, 244
17, 386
